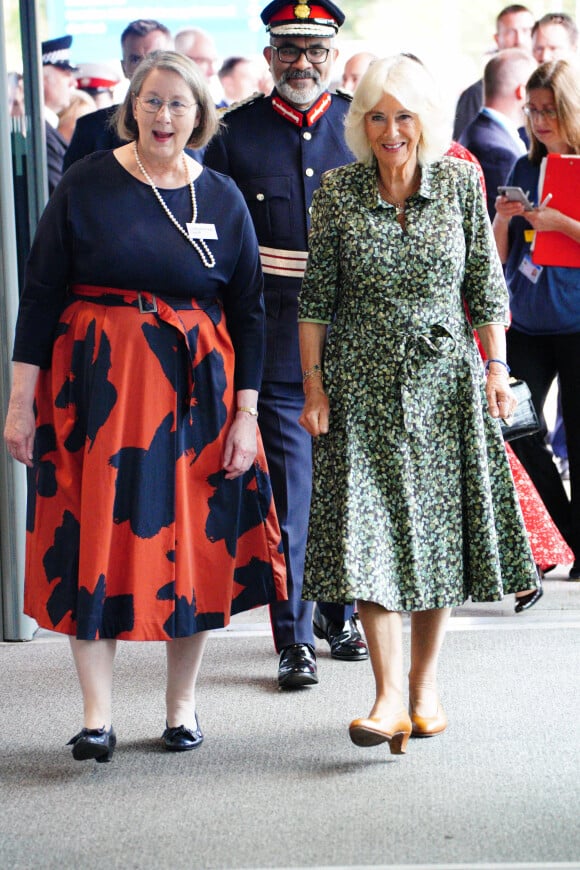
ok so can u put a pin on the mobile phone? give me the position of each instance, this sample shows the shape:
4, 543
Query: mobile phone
515, 194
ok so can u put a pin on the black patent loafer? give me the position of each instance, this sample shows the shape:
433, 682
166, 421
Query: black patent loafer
181, 739
97, 743
524, 602
345, 640
297, 667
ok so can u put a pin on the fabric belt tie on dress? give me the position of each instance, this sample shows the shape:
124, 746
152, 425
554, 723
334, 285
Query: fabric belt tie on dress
414, 349
434, 341
419, 348
163, 307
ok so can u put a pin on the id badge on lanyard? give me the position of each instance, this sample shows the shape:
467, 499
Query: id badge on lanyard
529, 269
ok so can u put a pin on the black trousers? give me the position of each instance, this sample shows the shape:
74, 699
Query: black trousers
289, 453
538, 359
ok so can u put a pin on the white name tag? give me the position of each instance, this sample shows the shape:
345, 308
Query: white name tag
202, 231
530, 270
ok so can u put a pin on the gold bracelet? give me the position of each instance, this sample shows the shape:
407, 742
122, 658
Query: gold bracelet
315, 371
251, 411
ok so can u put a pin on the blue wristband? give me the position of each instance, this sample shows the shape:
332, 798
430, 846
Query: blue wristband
500, 361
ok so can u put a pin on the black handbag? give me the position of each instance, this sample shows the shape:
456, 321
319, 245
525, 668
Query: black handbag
525, 420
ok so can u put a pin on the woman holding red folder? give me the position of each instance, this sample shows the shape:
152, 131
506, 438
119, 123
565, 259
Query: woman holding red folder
544, 338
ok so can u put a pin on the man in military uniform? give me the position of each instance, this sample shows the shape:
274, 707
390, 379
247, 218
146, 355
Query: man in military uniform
58, 86
276, 148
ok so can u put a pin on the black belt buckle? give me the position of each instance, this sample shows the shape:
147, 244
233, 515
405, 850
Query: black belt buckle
145, 307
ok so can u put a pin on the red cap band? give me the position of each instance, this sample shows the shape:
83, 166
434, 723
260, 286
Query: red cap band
94, 82
302, 12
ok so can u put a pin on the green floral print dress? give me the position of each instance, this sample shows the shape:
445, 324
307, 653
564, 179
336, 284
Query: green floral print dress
413, 503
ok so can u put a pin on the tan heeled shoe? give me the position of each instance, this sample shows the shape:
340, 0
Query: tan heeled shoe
372, 731
429, 726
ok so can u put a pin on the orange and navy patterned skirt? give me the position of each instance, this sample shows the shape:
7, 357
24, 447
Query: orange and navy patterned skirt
133, 532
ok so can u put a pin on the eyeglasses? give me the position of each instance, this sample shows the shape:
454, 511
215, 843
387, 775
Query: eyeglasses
536, 114
292, 53
152, 105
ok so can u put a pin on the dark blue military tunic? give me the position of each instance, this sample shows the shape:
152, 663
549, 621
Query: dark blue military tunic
276, 155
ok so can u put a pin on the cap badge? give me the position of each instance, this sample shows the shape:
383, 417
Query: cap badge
302, 10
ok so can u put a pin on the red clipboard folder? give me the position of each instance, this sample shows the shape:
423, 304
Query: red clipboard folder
562, 180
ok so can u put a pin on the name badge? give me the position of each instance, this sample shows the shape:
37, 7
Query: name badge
530, 270
202, 231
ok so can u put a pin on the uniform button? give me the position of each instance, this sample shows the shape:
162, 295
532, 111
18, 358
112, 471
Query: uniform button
260, 197
309, 172
306, 135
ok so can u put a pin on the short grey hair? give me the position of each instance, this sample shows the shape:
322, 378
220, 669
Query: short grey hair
406, 79
171, 61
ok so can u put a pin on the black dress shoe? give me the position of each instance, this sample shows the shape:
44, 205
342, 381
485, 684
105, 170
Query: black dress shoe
575, 570
94, 743
524, 602
345, 640
180, 739
297, 666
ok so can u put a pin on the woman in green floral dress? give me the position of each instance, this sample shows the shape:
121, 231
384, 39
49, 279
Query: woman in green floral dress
413, 505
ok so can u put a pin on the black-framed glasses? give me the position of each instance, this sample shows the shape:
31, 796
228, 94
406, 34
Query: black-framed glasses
152, 105
292, 53
536, 114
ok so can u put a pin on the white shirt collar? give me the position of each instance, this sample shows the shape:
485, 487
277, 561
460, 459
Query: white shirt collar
51, 117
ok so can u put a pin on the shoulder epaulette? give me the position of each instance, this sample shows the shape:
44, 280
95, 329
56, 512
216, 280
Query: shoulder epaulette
240, 104
346, 95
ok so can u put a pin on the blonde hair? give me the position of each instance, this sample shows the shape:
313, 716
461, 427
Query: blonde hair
81, 104
171, 61
406, 79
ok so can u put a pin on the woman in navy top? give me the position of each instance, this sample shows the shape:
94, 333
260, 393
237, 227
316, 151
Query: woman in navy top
544, 339
137, 362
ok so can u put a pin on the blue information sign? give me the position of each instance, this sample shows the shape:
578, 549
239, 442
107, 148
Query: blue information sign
96, 25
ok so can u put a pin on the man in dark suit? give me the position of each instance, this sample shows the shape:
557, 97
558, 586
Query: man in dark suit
513, 30
493, 136
554, 37
58, 84
93, 132
276, 148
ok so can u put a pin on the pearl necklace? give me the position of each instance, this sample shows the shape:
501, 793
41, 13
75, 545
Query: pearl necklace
207, 258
